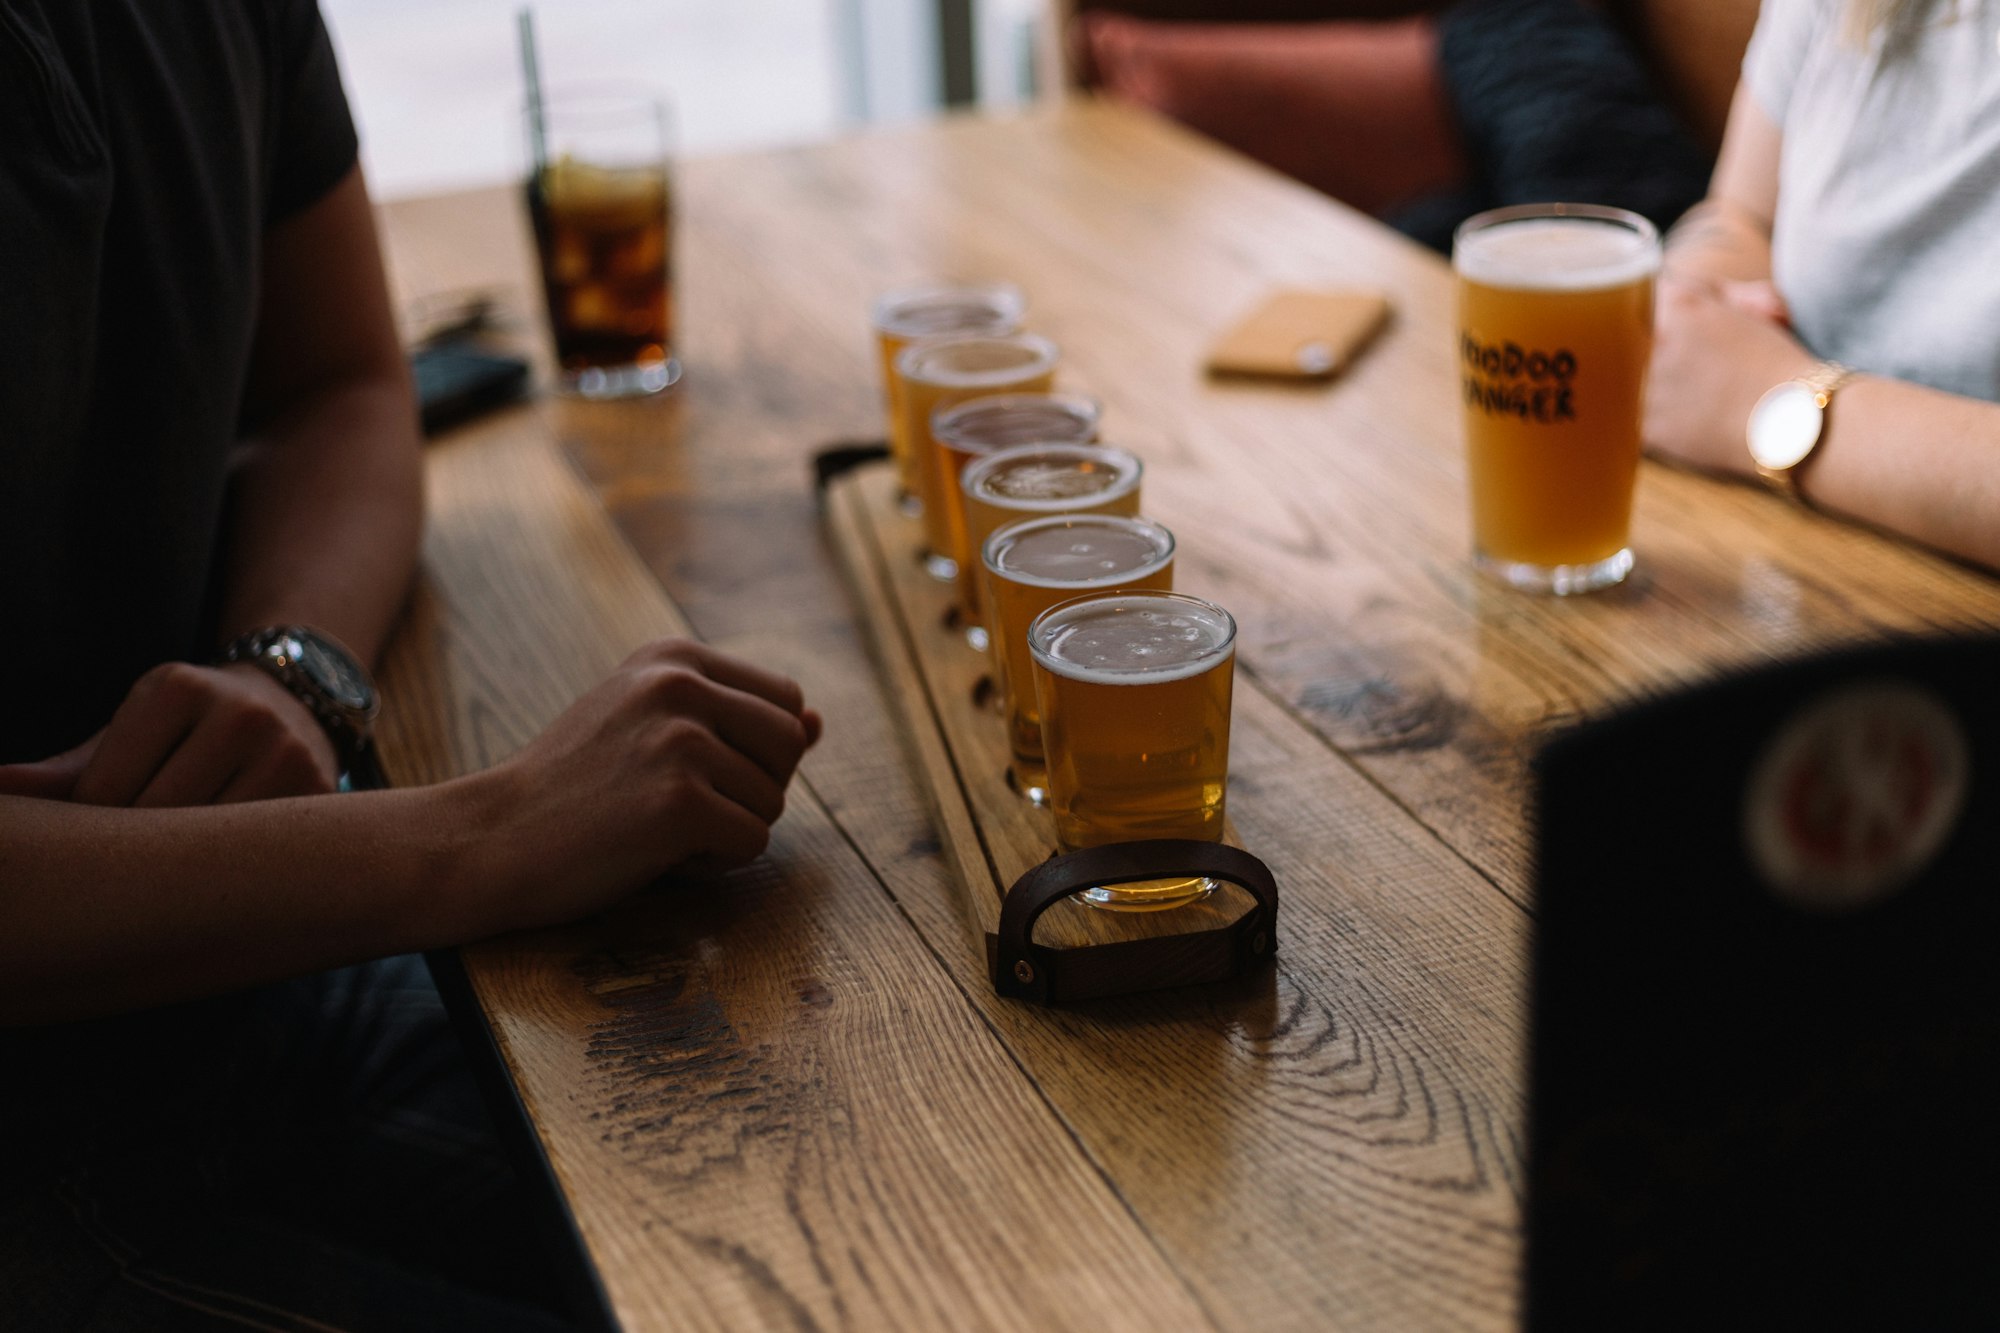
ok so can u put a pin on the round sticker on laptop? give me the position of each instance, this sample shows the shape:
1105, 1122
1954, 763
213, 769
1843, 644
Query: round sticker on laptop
1855, 794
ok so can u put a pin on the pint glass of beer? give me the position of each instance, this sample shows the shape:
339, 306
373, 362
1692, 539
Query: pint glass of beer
938, 373
1134, 693
983, 426
1032, 565
1555, 327
902, 317
602, 210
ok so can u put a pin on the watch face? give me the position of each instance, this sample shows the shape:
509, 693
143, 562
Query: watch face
336, 673
1785, 425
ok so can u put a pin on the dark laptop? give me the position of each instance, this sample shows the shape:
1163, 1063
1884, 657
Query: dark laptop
1765, 1070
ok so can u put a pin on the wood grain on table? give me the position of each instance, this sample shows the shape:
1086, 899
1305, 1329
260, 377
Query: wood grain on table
789, 1096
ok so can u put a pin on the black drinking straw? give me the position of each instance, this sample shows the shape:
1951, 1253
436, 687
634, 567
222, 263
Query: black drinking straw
538, 135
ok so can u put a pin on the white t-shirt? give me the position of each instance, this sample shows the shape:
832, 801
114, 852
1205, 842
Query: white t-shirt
1887, 240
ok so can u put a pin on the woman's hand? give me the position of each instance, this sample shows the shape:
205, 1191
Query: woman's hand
1717, 347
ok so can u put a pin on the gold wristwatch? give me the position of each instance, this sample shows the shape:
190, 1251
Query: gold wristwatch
1787, 423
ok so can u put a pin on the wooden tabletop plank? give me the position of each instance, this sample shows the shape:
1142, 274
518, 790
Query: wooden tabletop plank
765, 1101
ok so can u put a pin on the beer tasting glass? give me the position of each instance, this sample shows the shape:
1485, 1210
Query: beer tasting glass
601, 203
973, 430
938, 373
1032, 565
902, 317
1037, 480
1555, 326
1134, 693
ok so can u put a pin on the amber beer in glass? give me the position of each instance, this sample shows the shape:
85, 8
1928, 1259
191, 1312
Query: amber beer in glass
973, 430
602, 212
1134, 692
1039, 481
901, 317
1555, 327
1032, 565
938, 373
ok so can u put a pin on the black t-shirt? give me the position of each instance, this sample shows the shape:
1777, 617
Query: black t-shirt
148, 147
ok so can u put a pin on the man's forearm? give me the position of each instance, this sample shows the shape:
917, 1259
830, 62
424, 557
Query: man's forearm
678, 759
326, 513
326, 516
111, 909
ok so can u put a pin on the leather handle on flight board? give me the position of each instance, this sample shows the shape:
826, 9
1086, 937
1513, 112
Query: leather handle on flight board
1024, 970
831, 461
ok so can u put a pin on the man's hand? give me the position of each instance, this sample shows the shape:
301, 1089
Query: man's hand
679, 760
51, 779
189, 735
1717, 346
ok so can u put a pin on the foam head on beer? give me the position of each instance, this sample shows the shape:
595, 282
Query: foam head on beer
986, 425
929, 312
1072, 553
1032, 479
1562, 254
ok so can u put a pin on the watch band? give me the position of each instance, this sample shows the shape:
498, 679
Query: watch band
1821, 382
278, 651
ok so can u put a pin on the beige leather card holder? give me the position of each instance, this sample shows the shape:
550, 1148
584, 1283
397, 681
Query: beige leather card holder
1306, 335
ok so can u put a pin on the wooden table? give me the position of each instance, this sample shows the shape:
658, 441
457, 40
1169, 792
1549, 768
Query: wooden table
790, 1097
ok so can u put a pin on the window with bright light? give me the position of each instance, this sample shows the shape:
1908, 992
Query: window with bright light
437, 91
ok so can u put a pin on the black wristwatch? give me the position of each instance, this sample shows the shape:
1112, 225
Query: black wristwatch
327, 679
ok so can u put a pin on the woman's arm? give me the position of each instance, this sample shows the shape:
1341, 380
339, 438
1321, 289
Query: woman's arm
1727, 236
1904, 457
